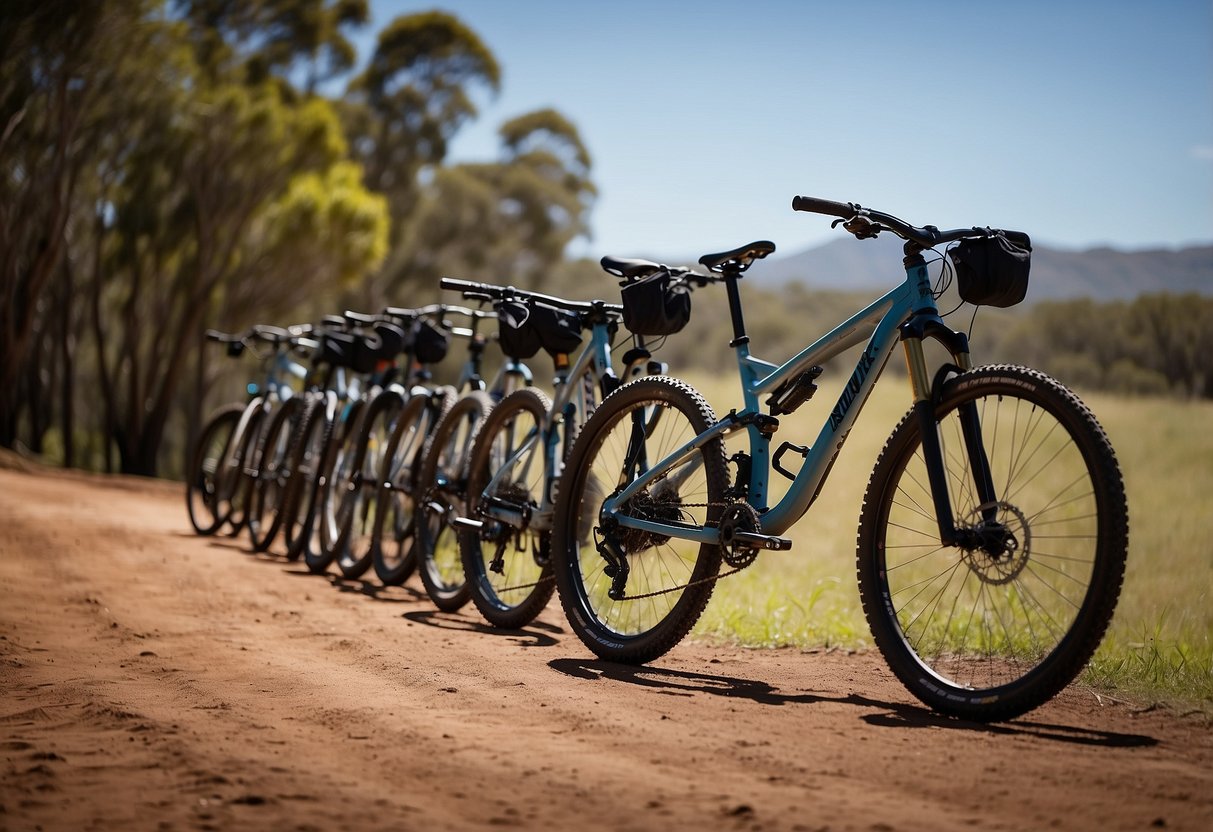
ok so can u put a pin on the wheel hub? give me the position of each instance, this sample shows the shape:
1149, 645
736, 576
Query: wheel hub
996, 542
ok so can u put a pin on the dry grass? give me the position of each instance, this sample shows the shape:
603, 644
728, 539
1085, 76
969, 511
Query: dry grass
1160, 645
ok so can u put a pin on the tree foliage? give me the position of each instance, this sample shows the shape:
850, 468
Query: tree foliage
1158, 343
166, 168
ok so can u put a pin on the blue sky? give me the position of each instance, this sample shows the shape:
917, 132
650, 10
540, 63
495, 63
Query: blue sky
1082, 123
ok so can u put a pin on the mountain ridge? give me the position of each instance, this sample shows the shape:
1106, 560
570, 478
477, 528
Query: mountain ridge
1102, 272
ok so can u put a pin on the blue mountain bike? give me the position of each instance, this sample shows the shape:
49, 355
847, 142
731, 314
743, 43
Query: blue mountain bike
994, 529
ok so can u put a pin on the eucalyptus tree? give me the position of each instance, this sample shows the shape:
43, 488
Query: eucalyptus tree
509, 219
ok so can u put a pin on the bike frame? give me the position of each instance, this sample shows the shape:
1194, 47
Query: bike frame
907, 313
272, 390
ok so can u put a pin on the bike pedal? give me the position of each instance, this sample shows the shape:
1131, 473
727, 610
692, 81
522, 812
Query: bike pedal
763, 541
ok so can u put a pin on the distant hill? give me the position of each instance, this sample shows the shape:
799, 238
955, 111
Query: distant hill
1100, 273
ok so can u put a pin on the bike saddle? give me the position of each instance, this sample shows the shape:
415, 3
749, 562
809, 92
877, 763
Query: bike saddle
739, 259
630, 269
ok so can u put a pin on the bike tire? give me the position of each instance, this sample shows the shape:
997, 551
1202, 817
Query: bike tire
273, 478
443, 476
306, 455
343, 430
669, 581
235, 489
393, 550
510, 581
200, 481
988, 632
356, 510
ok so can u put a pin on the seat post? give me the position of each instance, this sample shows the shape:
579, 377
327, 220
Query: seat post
731, 276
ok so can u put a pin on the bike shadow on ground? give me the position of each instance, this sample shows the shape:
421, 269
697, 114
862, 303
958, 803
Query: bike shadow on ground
891, 714
535, 634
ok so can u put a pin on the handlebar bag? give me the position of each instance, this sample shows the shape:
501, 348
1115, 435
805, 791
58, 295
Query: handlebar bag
559, 330
370, 348
516, 335
391, 340
656, 305
337, 348
429, 343
993, 270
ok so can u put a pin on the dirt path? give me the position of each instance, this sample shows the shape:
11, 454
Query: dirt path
152, 679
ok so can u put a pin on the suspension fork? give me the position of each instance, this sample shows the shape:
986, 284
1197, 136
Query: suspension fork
932, 448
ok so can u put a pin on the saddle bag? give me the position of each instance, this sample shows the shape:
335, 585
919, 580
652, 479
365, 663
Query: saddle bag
993, 270
656, 305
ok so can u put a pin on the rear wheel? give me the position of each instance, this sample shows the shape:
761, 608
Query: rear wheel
996, 625
631, 595
507, 561
443, 480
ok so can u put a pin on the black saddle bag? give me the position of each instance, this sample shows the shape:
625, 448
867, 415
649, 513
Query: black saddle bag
993, 271
656, 305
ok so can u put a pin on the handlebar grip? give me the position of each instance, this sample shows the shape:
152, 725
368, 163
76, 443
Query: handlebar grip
811, 204
456, 285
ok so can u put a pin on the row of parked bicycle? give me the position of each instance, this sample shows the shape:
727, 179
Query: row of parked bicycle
994, 531
369, 465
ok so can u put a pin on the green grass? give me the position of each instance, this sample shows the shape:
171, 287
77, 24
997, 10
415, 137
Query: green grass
1160, 645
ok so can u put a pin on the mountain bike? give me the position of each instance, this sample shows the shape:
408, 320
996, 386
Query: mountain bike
441, 477
360, 361
380, 454
293, 448
994, 529
517, 453
221, 474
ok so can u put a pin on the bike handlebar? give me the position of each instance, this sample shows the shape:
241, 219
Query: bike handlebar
491, 292
842, 210
867, 222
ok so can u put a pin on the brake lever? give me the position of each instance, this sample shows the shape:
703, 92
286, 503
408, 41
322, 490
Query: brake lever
862, 227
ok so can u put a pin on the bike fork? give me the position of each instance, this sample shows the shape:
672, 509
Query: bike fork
932, 448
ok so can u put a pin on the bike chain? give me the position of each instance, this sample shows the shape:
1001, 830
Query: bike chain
699, 582
657, 592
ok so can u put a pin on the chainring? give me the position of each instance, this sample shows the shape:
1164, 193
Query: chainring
738, 517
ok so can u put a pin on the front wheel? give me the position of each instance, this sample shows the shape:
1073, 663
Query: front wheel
393, 551
201, 485
997, 624
630, 594
363, 475
275, 456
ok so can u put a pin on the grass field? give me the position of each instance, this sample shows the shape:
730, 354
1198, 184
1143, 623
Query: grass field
1160, 646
